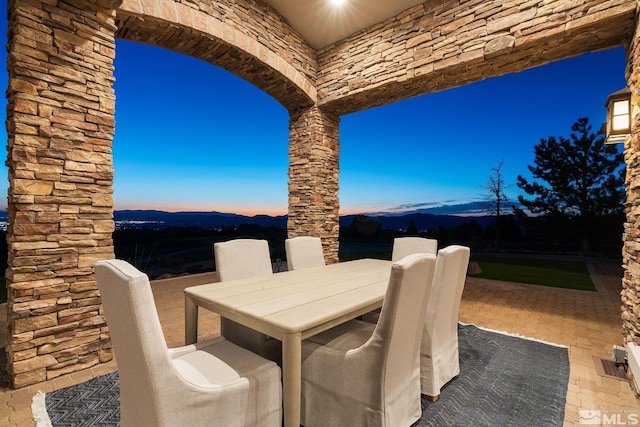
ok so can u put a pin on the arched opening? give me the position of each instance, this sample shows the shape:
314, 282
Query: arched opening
432, 154
191, 137
472, 127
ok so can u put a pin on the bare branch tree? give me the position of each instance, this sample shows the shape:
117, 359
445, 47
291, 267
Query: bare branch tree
495, 195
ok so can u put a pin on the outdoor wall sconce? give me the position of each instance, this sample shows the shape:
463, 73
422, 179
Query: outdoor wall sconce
618, 116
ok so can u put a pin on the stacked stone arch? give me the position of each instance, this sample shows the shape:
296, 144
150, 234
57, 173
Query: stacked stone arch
247, 39
60, 126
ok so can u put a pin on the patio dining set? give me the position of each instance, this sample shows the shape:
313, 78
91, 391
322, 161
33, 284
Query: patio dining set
352, 343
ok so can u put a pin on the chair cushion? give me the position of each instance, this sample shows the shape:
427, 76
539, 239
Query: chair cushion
219, 364
346, 336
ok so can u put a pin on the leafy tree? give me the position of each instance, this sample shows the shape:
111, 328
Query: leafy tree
495, 196
412, 229
510, 229
469, 232
582, 179
365, 226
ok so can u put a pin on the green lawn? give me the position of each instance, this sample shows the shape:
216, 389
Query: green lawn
545, 272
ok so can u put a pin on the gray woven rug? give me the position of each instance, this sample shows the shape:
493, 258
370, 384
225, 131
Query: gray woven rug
504, 381
92, 403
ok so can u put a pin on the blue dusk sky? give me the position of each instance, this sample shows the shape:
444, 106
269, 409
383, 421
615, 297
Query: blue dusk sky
193, 137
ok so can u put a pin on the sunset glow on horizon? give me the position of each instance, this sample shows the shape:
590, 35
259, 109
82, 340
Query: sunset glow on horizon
226, 209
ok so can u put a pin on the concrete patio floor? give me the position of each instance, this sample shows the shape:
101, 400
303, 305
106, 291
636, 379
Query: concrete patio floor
586, 322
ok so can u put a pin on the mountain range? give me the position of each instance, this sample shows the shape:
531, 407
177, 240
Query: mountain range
162, 219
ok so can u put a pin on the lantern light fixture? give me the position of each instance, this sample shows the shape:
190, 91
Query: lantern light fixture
618, 116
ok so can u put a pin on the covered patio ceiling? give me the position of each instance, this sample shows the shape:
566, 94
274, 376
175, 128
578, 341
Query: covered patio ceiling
323, 22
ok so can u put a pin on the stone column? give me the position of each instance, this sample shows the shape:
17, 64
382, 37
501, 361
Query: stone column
630, 294
314, 206
60, 127
631, 250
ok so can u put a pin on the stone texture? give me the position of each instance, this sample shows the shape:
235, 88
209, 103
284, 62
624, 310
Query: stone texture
313, 178
630, 294
247, 38
60, 109
451, 43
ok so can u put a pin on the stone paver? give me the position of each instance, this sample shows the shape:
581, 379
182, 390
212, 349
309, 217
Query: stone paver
588, 323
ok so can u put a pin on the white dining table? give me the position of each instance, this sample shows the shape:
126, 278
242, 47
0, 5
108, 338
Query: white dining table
292, 306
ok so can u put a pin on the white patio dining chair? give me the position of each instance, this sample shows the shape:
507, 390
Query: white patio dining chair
361, 374
304, 252
439, 357
213, 382
403, 246
239, 259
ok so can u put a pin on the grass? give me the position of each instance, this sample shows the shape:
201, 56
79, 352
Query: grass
534, 271
545, 272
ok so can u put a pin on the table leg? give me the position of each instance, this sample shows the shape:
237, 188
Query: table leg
190, 321
291, 378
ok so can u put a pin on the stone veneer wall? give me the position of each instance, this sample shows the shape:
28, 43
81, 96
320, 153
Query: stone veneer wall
443, 44
631, 250
314, 168
60, 126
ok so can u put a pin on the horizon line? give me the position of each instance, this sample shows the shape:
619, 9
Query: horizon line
371, 214
460, 213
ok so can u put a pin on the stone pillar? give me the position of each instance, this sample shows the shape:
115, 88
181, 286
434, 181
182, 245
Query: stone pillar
630, 294
60, 127
631, 250
314, 206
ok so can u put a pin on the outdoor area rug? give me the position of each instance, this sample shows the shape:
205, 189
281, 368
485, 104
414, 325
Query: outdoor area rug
504, 381
92, 403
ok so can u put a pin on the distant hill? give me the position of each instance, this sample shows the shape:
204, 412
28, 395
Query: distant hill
161, 219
